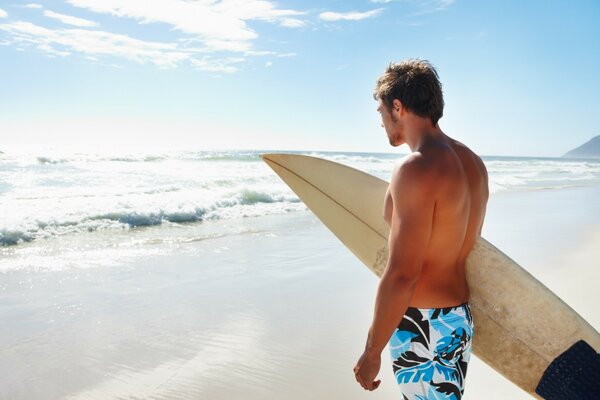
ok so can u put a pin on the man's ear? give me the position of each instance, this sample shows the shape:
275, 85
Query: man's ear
397, 105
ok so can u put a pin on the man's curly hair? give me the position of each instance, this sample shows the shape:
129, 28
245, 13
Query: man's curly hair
416, 84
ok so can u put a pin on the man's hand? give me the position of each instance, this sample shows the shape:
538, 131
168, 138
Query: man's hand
366, 371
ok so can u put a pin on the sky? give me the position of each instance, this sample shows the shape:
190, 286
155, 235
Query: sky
520, 78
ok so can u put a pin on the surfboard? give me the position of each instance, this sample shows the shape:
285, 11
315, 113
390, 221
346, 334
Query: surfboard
522, 329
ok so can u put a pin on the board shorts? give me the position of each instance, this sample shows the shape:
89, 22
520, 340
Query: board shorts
430, 352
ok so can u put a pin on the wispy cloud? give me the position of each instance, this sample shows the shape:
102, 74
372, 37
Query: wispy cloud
432, 6
70, 20
209, 64
268, 53
292, 23
32, 5
445, 3
52, 52
423, 6
93, 43
349, 16
220, 24
205, 27
3, 13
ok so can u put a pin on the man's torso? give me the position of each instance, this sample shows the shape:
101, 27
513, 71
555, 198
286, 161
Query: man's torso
461, 192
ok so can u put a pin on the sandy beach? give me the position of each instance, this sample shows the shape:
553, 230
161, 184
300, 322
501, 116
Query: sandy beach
272, 307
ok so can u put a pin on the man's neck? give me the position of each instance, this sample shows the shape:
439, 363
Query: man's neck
420, 130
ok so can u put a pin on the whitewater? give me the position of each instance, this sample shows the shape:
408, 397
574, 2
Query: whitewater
52, 193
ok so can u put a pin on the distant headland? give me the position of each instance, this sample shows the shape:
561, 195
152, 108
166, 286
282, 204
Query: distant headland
590, 149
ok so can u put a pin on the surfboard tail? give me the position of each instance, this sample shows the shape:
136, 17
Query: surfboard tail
575, 374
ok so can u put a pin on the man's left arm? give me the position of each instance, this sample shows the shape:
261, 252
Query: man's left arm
413, 197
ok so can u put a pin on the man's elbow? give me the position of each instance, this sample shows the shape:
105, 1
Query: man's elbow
403, 278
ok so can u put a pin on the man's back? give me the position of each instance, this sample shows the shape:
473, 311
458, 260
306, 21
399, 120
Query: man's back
461, 197
459, 181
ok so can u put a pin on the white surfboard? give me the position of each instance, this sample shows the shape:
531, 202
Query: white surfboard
522, 329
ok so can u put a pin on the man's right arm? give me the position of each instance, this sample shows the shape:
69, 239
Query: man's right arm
388, 207
388, 202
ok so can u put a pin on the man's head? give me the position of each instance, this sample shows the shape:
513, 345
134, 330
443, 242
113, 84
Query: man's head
415, 83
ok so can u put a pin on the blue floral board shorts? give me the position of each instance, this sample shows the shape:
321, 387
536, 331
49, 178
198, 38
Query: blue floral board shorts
430, 352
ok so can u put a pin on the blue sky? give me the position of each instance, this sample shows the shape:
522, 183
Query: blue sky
520, 78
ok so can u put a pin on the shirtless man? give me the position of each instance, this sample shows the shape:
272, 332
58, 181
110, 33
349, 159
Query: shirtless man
435, 206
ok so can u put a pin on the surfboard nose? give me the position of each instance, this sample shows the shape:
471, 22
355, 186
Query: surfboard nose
271, 156
274, 159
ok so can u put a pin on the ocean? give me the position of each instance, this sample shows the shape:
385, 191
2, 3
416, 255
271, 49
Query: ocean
63, 201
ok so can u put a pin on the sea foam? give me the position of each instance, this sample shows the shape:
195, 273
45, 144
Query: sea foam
50, 194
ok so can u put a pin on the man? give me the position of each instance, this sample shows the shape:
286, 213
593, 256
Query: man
435, 206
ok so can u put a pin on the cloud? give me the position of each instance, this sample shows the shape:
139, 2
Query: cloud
431, 6
94, 43
292, 23
349, 16
445, 3
220, 24
52, 52
424, 6
269, 53
212, 65
268, 64
3, 13
205, 28
69, 20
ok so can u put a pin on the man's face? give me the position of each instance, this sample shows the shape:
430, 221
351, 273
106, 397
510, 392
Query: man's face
390, 122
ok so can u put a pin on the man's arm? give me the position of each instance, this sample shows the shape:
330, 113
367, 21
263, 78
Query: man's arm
387, 207
413, 193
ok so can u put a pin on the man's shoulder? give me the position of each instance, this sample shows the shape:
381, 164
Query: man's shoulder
423, 165
413, 163
463, 150
415, 170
